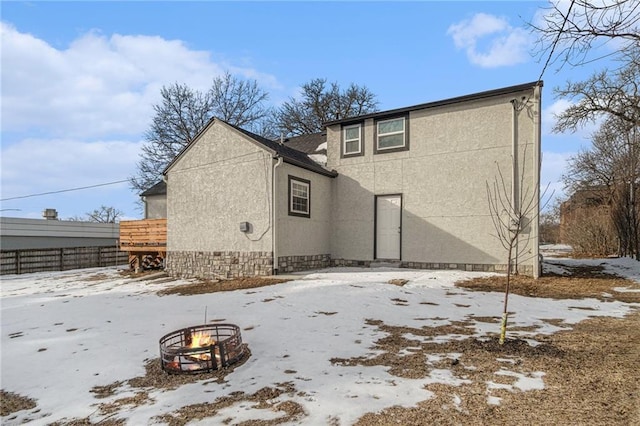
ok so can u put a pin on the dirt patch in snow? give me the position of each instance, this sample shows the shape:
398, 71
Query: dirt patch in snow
589, 375
12, 402
211, 286
586, 282
154, 379
267, 398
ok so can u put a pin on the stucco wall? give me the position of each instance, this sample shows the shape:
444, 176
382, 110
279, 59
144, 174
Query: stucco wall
222, 180
453, 152
155, 206
304, 235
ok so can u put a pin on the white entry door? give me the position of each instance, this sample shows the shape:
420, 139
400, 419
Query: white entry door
388, 226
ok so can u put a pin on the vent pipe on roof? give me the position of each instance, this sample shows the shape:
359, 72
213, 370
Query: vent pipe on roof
50, 214
281, 138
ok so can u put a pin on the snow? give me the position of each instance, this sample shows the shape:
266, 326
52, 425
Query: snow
65, 332
321, 147
319, 158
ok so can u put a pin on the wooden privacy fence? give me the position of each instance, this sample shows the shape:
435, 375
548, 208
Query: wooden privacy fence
59, 259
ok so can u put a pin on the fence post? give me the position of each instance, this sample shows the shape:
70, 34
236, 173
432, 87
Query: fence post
61, 259
18, 268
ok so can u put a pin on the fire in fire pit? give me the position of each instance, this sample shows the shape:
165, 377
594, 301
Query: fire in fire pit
201, 348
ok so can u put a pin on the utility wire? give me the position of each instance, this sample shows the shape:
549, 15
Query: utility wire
555, 43
65, 190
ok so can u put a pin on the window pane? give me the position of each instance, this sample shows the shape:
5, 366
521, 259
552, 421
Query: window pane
391, 126
352, 133
298, 190
300, 204
299, 197
351, 147
391, 141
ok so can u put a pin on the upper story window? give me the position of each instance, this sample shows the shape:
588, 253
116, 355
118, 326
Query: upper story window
299, 197
392, 134
352, 140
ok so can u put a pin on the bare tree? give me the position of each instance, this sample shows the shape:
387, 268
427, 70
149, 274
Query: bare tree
183, 112
512, 213
104, 214
321, 102
239, 102
612, 164
550, 223
178, 118
606, 93
514, 206
569, 31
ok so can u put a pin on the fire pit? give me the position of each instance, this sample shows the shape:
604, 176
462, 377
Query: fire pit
201, 348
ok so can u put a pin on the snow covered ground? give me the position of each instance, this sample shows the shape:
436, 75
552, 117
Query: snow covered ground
65, 332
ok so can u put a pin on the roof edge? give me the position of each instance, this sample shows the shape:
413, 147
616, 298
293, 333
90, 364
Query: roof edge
322, 171
443, 102
189, 145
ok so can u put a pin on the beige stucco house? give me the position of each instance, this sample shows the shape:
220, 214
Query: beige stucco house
154, 200
405, 187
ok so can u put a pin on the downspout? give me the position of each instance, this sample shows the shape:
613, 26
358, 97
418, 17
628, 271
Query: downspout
274, 213
514, 173
537, 165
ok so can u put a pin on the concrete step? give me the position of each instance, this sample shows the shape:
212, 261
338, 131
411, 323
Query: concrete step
385, 264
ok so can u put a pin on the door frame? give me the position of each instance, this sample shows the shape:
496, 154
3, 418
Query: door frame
375, 224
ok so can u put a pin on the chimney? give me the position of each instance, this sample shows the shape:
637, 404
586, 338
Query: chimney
50, 214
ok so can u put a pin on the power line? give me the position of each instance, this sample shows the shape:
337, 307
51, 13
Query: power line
555, 43
65, 190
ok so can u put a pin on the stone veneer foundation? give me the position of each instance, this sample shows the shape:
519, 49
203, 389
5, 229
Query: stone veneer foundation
303, 263
235, 264
478, 267
219, 264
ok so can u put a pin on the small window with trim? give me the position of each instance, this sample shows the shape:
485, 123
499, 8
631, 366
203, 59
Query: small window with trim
391, 134
352, 140
299, 197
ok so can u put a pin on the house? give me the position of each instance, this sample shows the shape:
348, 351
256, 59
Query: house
404, 187
155, 201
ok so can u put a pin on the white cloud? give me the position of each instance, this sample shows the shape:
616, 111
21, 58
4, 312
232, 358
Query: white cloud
74, 116
505, 45
98, 85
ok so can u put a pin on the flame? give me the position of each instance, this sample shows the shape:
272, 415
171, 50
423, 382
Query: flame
201, 339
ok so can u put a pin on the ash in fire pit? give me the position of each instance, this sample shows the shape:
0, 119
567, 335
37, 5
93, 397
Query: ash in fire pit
201, 348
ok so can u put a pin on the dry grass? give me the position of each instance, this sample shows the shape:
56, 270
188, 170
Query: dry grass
261, 399
12, 402
584, 282
208, 286
591, 377
591, 373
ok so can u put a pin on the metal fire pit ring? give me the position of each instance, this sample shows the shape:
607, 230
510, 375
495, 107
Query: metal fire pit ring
201, 348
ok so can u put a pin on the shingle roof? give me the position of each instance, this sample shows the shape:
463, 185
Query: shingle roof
159, 188
308, 143
290, 155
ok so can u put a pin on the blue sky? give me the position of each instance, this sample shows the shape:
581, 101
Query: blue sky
79, 78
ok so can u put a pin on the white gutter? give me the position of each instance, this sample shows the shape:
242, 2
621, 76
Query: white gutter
274, 218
